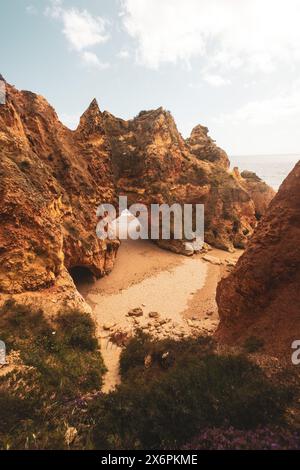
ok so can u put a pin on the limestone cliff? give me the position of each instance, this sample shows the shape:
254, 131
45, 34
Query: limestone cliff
153, 163
53, 179
261, 296
204, 148
260, 192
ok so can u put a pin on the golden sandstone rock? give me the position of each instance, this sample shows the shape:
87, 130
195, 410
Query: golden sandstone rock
260, 297
52, 180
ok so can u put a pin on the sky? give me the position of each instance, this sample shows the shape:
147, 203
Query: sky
231, 65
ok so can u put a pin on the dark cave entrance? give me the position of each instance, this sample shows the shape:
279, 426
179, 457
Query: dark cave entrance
83, 278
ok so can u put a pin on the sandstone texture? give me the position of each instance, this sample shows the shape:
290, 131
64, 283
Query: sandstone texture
53, 179
260, 297
260, 192
51, 182
154, 164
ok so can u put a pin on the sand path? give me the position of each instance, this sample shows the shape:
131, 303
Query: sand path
180, 289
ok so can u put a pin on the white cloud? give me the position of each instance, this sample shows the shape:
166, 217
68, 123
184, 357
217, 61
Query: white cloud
283, 108
123, 54
81, 29
254, 34
91, 59
215, 80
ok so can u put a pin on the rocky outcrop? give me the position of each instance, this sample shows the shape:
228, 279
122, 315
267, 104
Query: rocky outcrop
261, 194
53, 179
153, 164
204, 147
261, 296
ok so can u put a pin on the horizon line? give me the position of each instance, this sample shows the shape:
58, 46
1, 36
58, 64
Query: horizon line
265, 155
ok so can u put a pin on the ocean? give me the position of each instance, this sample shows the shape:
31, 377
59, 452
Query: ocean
273, 169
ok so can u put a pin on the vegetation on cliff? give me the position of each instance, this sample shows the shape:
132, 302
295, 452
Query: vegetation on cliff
52, 363
170, 390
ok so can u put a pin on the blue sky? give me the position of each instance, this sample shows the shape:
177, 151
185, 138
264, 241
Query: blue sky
231, 65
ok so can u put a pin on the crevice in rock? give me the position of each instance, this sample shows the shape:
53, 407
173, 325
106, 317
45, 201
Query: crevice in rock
82, 277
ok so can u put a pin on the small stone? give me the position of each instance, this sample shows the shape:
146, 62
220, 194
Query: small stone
136, 312
108, 326
189, 249
212, 260
206, 247
230, 262
154, 315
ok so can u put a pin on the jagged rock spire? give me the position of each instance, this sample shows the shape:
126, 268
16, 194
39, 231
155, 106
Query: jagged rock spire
92, 119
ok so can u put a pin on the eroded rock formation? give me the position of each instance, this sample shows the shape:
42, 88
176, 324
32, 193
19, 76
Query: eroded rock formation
153, 163
53, 179
261, 296
260, 192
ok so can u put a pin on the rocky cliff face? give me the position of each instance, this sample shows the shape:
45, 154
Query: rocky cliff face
261, 296
153, 163
261, 194
204, 147
53, 179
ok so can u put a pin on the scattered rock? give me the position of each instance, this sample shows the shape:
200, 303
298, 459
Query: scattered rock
120, 338
136, 312
212, 260
108, 326
189, 249
154, 315
230, 262
206, 248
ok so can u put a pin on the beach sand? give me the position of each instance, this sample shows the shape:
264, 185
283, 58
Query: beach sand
180, 289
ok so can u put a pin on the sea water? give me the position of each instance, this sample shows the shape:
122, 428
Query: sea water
273, 169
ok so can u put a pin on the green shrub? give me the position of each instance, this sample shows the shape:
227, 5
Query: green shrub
185, 388
160, 408
163, 353
79, 330
60, 362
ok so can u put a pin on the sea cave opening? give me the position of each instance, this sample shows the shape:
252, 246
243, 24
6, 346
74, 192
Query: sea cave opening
83, 278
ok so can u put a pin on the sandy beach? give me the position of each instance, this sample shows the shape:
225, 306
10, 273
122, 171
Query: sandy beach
178, 292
